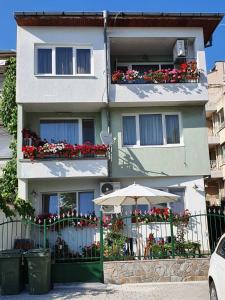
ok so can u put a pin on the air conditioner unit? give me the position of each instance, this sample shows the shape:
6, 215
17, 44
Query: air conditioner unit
179, 51
107, 188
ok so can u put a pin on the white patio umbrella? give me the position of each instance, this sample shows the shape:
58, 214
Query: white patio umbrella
136, 194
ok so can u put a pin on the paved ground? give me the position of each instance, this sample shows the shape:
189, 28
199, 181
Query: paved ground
150, 291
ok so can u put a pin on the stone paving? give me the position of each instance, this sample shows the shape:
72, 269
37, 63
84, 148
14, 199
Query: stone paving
150, 291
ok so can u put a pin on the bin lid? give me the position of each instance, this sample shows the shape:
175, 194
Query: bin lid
11, 253
37, 252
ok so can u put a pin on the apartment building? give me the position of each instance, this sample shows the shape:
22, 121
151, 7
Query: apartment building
214, 184
5, 138
136, 81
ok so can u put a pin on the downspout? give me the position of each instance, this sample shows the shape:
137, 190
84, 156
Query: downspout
105, 16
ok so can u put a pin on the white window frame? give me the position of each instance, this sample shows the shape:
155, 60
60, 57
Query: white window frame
138, 145
67, 192
80, 127
129, 65
74, 59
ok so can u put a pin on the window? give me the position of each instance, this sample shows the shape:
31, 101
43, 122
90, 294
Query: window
83, 61
151, 129
44, 61
129, 130
221, 117
64, 61
59, 203
55, 131
72, 131
176, 206
144, 67
172, 129
221, 249
51, 60
151, 132
88, 131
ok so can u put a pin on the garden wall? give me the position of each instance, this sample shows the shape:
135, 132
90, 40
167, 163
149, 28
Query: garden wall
163, 270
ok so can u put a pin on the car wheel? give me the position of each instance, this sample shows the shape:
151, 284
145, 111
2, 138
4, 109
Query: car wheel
212, 291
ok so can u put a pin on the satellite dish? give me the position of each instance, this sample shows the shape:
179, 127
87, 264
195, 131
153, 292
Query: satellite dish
106, 138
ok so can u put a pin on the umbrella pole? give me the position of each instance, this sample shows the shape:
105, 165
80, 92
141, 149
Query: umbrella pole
137, 231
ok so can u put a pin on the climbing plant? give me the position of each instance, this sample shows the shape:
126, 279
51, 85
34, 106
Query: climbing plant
9, 201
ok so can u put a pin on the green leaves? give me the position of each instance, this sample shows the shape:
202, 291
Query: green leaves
9, 202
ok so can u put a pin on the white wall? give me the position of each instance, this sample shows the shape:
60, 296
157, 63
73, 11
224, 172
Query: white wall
42, 89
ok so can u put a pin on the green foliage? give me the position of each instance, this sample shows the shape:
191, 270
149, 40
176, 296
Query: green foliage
8, 109
9, 202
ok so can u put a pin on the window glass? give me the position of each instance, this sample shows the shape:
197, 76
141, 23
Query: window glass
221, 248
129, 130
122, 68
50, 203
86, 205
167, 66
145, 68
151, 129
88, 131
177, 206
83, 61
44, 61
55, 131
67, 202
172, 129
64, 61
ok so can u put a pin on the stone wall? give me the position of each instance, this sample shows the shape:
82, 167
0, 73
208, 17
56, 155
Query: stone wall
163, 270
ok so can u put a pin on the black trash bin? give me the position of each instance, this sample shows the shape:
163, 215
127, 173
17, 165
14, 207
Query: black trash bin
11, 272
39, 271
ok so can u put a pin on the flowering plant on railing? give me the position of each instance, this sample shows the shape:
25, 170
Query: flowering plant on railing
71, 218
186, 72
63, 150
160, 215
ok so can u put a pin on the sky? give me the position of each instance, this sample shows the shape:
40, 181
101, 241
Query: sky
8, 7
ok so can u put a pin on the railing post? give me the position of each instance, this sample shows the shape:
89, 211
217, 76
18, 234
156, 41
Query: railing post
101, 245
172, 235
45, 235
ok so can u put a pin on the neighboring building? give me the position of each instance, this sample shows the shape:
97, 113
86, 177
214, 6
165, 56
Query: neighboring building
214, 185
5, 138
65, 93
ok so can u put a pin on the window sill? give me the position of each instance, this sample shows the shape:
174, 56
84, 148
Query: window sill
65, 75
153, 146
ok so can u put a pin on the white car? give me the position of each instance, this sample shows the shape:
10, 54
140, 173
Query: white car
216, 274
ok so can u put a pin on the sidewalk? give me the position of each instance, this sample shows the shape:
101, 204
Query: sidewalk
150, 291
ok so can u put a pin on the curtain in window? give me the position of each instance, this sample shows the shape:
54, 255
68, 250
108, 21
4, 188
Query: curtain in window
64, 60
44, 61
151, 129
83, 61
129, 130
172, 129
177, 206
60, 131
50, 204
86, 205
88, 131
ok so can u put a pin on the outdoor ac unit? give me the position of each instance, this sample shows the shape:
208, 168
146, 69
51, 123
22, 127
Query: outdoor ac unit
179, 50
107, 188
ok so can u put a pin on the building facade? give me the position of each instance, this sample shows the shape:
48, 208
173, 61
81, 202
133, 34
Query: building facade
214, 185
82, 77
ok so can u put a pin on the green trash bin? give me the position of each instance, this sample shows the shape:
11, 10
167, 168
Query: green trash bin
11, 272
39, 271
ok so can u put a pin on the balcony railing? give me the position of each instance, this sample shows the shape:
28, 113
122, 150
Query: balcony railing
185, 73
214, 165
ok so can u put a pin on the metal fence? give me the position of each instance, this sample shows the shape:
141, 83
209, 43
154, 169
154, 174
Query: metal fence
133, 235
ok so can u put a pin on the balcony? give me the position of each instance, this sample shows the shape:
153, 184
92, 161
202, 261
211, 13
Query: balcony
216, 172
62, 168
147, 71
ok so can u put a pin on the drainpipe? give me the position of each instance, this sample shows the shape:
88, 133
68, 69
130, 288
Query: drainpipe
105, 16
